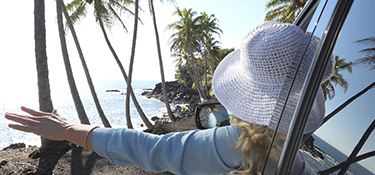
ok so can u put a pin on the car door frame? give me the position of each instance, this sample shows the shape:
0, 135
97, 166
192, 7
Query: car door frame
311, 85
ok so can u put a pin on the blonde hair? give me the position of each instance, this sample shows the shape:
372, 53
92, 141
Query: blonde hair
254, 142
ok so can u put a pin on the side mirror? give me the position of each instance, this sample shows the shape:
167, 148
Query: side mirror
211, 115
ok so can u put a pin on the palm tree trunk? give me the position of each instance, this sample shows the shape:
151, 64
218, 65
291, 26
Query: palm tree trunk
165, 93
346, 103
196, 79
205, 67
195, 73
357, 148
44, 92
73, 89
339, 166
136, 104
205, 77
127, 104
85, 68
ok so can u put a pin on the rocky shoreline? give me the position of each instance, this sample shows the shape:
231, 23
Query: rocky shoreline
177, 94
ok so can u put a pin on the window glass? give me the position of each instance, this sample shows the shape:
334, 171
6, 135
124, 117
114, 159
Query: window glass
289, 97
344, 130
335, 139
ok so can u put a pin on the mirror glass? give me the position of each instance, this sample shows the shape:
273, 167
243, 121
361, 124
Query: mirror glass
212, 115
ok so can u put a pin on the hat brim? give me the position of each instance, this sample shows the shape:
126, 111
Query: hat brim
240, 94
263, 103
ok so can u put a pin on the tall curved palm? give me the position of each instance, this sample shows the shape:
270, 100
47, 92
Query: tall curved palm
369, 59
188, 38
329, 90
73, 88
129, 81
211, 56
44, 91
284, 10
212, 52
85, 68
209, 26
105, 14
166, 100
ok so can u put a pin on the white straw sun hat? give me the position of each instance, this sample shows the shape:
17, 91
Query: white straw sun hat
253, 82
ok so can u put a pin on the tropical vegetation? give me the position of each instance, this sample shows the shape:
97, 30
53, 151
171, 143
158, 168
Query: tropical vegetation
328, 86
284, 10
195, 48
369, 59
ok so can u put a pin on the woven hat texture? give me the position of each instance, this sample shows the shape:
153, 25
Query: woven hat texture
253, 81
286, 105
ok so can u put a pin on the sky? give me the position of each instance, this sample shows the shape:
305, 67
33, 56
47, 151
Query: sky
19, 49
17, 62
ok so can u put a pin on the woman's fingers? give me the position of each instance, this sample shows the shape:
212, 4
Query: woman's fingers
33, 112
23, 128
26, 124
25, 120
48, 125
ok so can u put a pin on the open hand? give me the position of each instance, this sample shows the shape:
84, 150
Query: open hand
48, 125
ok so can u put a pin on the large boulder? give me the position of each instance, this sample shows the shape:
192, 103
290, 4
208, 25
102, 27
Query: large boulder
177, 94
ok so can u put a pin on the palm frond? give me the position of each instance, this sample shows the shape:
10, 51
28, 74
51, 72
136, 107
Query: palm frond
367, 41
114, 13
367, 61
74, 5
79, 12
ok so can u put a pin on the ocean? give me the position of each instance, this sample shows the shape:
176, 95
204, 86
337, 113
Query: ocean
113, 104
332, 157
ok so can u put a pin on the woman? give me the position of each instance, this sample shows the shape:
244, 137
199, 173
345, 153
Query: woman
250, 83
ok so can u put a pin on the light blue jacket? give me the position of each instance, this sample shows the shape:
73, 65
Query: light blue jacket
191, 152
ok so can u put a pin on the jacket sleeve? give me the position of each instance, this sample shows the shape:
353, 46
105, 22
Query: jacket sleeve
192, 152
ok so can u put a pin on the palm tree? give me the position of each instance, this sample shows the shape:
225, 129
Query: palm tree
369, 59
188, 38
73, 88
165, 93
85, 68
105, 14
44, 92
211, 56
209, 26
284, 10
183, 73
337, 78
129, 81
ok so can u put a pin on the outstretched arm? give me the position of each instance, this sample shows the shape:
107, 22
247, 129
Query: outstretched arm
51, 126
